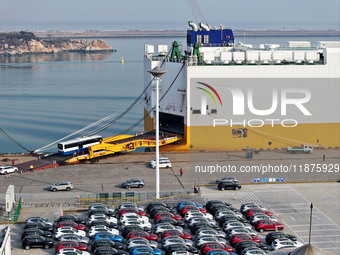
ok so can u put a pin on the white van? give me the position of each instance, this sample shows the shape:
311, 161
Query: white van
163, 163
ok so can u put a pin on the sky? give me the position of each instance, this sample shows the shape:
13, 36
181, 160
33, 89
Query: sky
161, 14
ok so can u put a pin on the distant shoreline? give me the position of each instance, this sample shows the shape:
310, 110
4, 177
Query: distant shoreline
177, 33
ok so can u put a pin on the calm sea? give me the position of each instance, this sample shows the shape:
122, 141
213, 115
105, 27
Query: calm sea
46, 97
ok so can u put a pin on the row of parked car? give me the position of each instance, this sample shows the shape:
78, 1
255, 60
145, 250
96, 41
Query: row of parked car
186, 229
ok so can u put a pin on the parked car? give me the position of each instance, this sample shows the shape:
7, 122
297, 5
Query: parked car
229, 185
240, 246
171, 221
233, 224
35, 231
178, 233
256, 217
139, 212
232, 231
39, 225
175, 240
71, 244
68, 230
210, 232
115, 238
36, 241
101, 212
220, 252
145, 249
142, 234
133, 183
101, 206
163, 163
40, 219
75, 238
253, 251
72, 219
102, 229
106, 242
211, 203
133, 216
140, 242
8, 169
71, 224
270, 237
109, 219
187, 203
193, 214
179, 247
243, 237
284, 243
71, 251
213, 246
209, 239
130, 228
106, 250
159, 228
61, 186
247, 206
251, 212
167, 215
263, 225
129, 205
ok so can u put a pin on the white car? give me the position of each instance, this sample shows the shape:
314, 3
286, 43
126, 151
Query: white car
68, 230
245, 207
72, 251
133, 216
144, 225
193, 214
163, 163
160, 228
192, 221
181, 253
209, 232
234, 224
256, 217
208, 239
241, 230
133, 242
8, 169
284, 243
101, 206
129, 205
102, 217
175, 240
75, 238
102, 229
40, 219
253, 251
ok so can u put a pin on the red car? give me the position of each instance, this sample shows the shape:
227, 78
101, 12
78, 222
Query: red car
72, 225
186, 209
167, 215
238, 238
142, 234
214, 246
139, 212
250, 212
263, 225
71, 244
183, 235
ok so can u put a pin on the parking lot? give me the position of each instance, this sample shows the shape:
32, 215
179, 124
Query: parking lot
289, 203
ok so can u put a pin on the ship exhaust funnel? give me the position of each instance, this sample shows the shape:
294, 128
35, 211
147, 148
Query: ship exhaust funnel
204, 27
193, 25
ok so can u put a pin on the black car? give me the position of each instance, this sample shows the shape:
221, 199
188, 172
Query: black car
102, 211
106, 243
226, 218
39, 225
171, 221
157, 210
107, 250
198, 226
179, 247
130, 228
102, 223
36, 231
229, 185
210, 203
270, 237
133, 183
33, 241
217, 207
240, 246
71, 218
152, 205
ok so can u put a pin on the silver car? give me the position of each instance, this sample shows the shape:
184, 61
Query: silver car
62, 186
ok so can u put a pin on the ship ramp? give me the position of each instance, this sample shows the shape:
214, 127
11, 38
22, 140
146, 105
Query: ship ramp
125, 143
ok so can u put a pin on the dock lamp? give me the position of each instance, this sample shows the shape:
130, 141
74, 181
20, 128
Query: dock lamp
157, 72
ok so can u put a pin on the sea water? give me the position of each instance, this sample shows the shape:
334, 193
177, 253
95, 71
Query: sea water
46, 97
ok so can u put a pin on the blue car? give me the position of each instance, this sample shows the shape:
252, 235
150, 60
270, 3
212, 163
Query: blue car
182, 204
145, 249
220, 252
115, 238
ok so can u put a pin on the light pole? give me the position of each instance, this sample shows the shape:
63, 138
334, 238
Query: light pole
157, 72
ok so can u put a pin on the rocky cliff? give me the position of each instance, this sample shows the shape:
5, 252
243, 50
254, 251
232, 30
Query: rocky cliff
18, 43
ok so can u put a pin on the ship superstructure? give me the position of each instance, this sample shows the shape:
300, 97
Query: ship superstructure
225, 96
